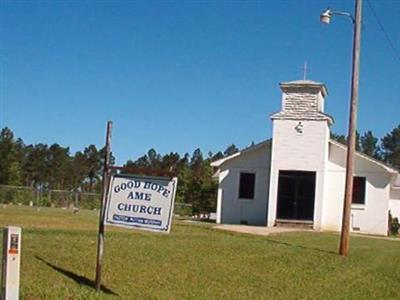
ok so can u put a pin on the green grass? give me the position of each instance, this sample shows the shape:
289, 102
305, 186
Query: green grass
195, 262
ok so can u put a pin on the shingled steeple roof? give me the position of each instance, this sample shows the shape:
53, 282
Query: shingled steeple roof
303, 100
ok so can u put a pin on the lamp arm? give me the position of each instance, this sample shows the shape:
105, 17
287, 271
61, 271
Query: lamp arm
341, 13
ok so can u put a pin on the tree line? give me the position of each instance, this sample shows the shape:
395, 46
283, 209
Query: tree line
49, 167
54, 167
196, 186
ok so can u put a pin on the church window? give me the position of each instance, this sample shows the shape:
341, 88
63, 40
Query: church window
247, 185
358, 190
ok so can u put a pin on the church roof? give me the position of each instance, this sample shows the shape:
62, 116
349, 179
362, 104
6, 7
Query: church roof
303, 115
301, 101
367, 157
219, 162
396, 183
304, 83
389, 169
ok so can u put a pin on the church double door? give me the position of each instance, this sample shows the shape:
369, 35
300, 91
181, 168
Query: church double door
296, 195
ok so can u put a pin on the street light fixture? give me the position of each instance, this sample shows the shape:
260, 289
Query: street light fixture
325, 18
327, 14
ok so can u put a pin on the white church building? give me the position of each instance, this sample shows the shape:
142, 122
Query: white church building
298, 176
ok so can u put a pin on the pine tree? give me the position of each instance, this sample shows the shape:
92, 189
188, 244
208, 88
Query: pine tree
391, 147
92, 164
343, 139
35, 166
7, 154
339, 138
217, 156
232, 149
369, 145
58, 162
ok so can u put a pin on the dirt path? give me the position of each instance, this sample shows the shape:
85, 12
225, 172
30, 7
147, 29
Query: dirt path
257, 230
263, 230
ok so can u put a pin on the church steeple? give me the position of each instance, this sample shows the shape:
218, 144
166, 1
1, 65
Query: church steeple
300, 145
303, 100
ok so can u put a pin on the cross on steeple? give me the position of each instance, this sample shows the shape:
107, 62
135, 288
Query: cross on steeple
305, 70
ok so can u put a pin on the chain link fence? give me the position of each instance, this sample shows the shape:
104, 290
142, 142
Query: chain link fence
183, 209
22, 195
28, 196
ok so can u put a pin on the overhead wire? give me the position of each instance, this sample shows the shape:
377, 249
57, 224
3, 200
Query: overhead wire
382, 28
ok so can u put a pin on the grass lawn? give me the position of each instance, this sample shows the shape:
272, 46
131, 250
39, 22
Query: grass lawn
195, 262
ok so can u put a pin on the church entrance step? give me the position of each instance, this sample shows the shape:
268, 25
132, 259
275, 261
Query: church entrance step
294, 223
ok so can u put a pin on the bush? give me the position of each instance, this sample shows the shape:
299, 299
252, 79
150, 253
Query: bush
182, 209
394, 225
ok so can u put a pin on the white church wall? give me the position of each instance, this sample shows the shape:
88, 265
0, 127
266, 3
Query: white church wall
300, 151
301, 142
234, 210
321, 102
394, 202
219, 204
370, 218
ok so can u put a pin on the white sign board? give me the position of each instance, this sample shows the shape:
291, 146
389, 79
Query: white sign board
141, 202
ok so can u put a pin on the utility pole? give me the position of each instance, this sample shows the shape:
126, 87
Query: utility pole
351, 143
104, 194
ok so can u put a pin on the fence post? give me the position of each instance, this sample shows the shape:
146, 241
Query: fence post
37, 198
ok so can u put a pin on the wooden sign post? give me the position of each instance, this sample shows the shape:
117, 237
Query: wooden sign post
144, 202
106, 178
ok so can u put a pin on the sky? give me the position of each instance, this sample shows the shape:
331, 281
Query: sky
181, 75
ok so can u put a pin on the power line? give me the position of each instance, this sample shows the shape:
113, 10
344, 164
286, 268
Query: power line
389, 40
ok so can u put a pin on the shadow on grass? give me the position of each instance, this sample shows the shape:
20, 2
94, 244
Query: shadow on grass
75, 277
302, 247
